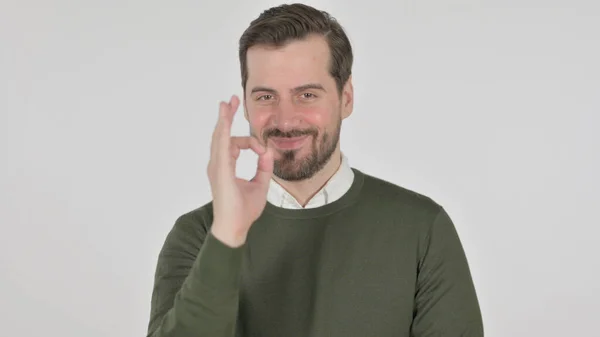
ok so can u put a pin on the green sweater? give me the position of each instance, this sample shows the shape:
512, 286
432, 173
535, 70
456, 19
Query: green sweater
380, 261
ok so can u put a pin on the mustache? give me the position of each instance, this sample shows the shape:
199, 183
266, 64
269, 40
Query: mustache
289, 134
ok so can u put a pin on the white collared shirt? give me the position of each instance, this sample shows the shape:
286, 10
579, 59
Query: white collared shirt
335, 188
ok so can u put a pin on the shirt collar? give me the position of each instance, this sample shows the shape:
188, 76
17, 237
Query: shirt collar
334, 189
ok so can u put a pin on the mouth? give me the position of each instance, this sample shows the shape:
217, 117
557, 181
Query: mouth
285, 143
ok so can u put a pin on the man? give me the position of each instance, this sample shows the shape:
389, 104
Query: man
309, 246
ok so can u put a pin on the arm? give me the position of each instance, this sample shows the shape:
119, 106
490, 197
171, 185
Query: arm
446, 303
196, 286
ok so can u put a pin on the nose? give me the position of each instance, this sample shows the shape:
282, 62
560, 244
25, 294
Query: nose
285, 117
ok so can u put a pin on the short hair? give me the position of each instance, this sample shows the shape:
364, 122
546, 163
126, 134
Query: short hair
280, 25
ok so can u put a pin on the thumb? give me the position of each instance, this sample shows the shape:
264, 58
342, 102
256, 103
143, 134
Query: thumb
264, 171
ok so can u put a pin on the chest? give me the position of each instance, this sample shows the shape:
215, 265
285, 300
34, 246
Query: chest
328, 279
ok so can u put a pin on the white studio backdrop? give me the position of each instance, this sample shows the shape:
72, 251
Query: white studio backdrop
107, 108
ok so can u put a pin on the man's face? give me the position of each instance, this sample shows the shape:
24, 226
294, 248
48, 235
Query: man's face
293, 106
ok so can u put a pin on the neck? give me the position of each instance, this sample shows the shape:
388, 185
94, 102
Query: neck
304, 190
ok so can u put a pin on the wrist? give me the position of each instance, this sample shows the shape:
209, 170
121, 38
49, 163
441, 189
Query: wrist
228, 236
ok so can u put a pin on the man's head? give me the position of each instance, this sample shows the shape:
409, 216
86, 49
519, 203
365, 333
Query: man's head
296, 64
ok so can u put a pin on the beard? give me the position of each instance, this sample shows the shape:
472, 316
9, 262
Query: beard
291, 166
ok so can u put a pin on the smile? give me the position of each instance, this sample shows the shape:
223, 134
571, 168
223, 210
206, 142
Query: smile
285, 143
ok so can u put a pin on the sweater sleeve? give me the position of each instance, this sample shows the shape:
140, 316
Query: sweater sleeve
196, 284
446, 303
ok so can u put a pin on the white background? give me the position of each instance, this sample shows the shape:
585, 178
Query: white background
106, 110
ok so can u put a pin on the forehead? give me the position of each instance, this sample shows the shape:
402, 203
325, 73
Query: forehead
293, 64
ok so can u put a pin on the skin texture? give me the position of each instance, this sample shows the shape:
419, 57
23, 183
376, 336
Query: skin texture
229, 192
295, 113
289, 95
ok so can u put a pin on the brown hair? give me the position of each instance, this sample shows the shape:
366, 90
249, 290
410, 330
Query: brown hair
279, 25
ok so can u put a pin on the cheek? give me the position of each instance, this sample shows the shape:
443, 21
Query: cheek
320, 117
258, 121
315, 116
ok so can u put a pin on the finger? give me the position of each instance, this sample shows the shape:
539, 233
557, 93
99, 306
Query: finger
223, 129
221, 136
226, 114
218, 131
264, 171
237, 145
234, 103
214, 145
243, 143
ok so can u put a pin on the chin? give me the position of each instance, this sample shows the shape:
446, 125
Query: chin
293, 175
292, 166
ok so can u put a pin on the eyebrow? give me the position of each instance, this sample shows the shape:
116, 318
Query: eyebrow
294, 90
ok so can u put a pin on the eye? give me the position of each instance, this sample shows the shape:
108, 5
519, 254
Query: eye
264, 98
308, 95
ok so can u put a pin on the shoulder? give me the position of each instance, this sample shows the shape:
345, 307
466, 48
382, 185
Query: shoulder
198, 217
191, 227
386, 194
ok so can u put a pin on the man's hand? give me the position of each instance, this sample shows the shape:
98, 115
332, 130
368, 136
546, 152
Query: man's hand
237, 203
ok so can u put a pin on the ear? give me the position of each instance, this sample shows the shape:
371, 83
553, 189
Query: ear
347, 98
